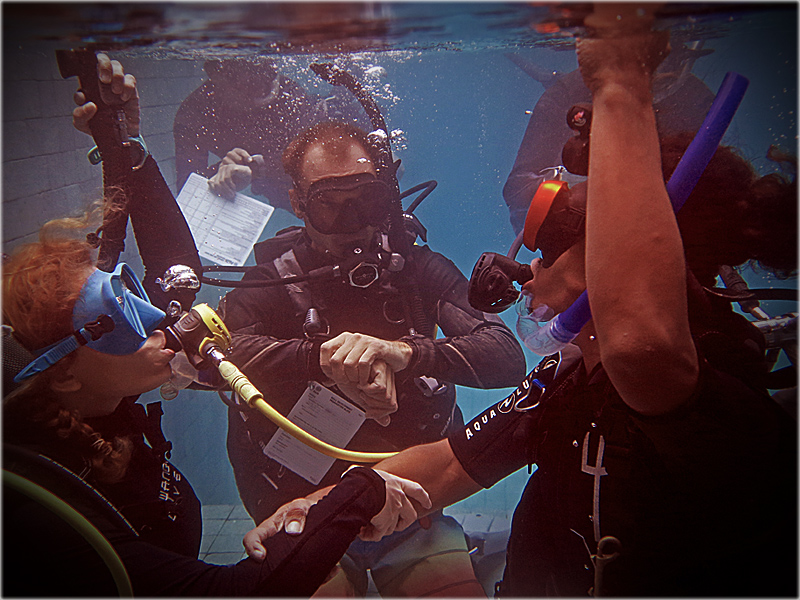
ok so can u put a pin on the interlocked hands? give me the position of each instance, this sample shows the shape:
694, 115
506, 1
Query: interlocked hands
364, 367
396, 515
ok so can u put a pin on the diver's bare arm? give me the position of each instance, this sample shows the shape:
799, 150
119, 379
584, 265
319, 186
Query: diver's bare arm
635, 266
434, 467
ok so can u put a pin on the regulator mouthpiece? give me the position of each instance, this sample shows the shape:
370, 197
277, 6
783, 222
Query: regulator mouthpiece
537, 327
196, 333
491, 286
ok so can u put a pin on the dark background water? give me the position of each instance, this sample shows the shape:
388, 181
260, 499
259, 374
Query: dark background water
446, 82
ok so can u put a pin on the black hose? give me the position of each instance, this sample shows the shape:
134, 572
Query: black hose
387, 171
428, 187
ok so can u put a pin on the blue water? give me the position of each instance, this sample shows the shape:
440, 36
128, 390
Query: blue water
462, 106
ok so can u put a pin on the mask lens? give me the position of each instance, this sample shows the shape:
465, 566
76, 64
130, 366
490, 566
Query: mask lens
121, 296
333, 208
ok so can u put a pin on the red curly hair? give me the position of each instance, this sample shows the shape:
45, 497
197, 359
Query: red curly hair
41, 283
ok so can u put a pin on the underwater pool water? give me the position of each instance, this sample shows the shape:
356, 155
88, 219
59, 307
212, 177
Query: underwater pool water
446, 77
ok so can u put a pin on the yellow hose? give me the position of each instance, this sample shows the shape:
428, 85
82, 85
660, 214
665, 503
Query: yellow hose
250, 394
78, 522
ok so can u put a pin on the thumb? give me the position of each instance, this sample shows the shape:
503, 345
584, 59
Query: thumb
382, 421
295, 523
410, 488
416, 492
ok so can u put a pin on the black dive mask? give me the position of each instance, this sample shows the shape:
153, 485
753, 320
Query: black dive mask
346, 204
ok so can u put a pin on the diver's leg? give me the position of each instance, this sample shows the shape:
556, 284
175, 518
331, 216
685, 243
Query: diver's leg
430, 562
350, 581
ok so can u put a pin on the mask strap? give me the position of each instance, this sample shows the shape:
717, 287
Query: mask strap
89, 332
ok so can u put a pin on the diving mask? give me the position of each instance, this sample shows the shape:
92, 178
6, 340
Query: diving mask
556, 219
112, 315
347, 204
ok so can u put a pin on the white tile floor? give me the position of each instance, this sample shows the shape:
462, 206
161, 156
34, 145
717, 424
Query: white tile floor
224, 526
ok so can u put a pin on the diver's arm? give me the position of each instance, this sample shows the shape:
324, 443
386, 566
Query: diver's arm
435, 468
162, 234
635, 268
255, 317
295, 565
478, 350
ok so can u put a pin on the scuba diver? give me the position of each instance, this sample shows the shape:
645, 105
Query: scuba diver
86, 468
246, 105
680, 101
371, 334
664, 468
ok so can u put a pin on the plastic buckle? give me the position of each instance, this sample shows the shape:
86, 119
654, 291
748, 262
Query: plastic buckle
94, 156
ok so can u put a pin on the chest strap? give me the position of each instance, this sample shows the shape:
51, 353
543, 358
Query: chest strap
300, 294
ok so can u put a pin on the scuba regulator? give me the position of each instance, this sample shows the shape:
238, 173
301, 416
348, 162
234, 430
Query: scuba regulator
202, 335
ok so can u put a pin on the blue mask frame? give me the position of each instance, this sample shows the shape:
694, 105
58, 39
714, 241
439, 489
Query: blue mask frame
112, 315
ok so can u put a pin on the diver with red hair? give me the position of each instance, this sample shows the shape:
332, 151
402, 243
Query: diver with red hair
86, 468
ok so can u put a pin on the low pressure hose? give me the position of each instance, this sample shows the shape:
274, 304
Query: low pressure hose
203, 336
250, 394
79, 523
565, 327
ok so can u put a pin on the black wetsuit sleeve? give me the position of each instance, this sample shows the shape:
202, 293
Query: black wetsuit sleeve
294, 566
162, 234
493, 444
478, 350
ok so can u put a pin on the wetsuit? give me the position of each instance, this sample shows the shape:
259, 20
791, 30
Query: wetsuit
270, 348
206, 124
162, 235
547, 132
158, 535
702, 500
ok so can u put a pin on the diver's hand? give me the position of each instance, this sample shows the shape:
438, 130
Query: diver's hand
350, 356
291, 517
398, 512
621, 48
116, 89
378, 398
236, 172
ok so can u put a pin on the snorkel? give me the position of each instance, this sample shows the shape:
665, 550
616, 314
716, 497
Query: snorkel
548, 337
